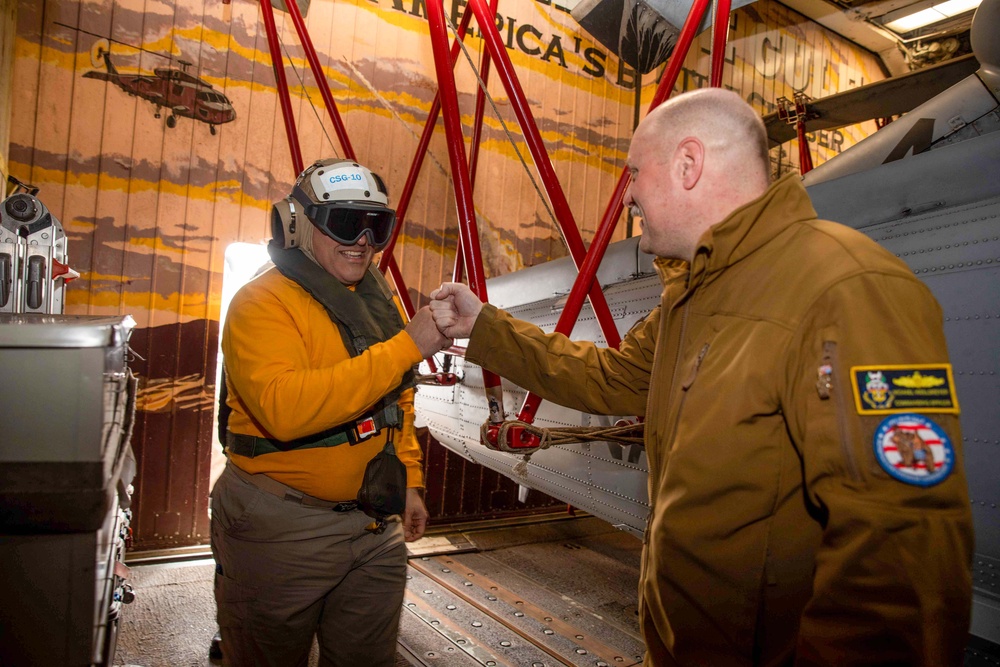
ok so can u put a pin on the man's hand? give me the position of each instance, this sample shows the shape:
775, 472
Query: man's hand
425, 333
414, 516
455, 309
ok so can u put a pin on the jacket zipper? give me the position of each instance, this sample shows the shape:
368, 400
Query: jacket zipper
649, 398
673, 376
827, 384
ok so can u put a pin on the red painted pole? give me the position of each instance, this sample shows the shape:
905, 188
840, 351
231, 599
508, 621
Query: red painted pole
805, 157
477, 127
404, 300
293, 140
418, 158
317, 70
574, 303
720, 34
281, 84
564, 216
477, 134
683, 46
460, 175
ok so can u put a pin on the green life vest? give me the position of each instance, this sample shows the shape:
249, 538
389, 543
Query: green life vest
364, 316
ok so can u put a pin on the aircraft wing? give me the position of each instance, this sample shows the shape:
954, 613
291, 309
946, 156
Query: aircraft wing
890, 97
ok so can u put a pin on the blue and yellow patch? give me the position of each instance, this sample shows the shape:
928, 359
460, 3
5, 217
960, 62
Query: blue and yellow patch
885, 390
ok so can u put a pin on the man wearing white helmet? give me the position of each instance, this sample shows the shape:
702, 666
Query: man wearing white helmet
324, 478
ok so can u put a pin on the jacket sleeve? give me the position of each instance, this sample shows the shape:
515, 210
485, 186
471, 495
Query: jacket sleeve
892, 581
576, 374
269, 343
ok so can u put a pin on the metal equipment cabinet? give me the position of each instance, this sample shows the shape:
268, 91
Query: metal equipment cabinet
67, 401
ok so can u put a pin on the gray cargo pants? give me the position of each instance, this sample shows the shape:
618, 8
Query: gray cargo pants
288, 571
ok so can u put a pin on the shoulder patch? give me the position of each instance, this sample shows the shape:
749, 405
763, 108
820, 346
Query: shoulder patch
886, 390
914, 449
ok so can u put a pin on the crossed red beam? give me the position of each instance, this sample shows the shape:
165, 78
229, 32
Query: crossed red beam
463, 168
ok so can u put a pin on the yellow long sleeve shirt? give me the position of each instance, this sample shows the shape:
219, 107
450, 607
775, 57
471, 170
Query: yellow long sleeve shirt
289, 375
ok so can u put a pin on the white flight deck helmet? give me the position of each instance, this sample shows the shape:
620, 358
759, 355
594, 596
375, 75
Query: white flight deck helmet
342, 199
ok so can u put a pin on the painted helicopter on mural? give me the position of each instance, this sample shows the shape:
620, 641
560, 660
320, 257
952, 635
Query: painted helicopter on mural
171, 88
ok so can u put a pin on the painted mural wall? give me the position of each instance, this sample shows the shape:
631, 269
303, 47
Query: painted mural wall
150, 197
8, 32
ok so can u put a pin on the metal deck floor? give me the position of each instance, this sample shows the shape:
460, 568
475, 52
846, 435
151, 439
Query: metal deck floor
541, 593
538, 593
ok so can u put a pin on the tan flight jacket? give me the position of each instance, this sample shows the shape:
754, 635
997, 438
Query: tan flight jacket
774, 536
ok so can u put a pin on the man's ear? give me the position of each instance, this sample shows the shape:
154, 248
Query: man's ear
689, 161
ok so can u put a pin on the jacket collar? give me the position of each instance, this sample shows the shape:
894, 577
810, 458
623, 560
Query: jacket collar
670, 269
751, 226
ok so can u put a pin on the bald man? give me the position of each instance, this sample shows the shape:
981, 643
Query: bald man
774, 378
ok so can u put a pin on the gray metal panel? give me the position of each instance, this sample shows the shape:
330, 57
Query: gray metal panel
960, 105
52, 403
67, 414
881, 99
604, 479
622, 262
62, 387
950, 176
63, 330
940, 213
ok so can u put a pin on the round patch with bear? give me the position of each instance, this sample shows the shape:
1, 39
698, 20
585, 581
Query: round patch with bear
914, 449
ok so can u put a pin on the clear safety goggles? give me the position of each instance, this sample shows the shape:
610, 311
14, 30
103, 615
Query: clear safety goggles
347, 222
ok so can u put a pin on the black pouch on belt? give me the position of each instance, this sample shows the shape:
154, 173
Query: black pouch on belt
383, 489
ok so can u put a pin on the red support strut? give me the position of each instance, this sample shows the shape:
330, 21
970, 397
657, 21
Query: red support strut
720, 34
805, 157
418, 158
533, 138
274, 46
320, 76
388, 264
518, 438
463, 187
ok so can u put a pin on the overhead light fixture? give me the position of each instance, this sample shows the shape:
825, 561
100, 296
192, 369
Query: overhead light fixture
906, 20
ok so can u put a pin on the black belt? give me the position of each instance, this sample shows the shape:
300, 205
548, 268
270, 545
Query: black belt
285, 492
253, 445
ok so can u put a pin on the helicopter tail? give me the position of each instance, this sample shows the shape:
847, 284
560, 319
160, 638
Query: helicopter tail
108, 64
100, 55
101, 51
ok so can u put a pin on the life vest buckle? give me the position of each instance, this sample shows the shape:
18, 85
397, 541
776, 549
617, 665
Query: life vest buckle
363, 429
